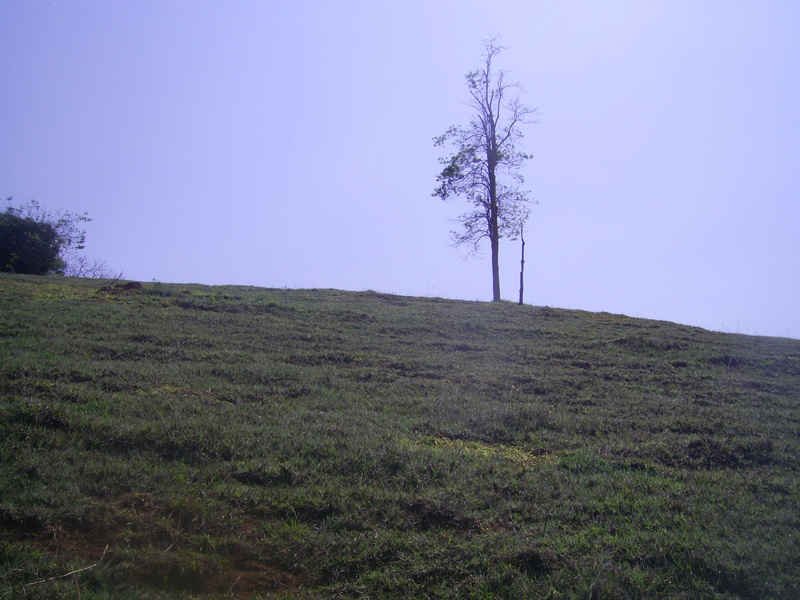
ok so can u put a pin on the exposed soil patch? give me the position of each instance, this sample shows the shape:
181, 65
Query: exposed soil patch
235, 571
130, 287
254, 577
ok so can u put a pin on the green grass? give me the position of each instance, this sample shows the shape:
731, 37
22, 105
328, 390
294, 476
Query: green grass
237, 442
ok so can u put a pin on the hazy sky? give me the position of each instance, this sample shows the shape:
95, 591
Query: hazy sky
278, 143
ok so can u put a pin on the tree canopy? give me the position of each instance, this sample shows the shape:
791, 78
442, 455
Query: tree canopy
35, 242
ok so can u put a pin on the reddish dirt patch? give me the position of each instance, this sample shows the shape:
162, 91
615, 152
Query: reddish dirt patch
250, 578
235, 572
130, 287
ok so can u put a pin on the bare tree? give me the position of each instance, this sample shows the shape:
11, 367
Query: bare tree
83, 266
484, 168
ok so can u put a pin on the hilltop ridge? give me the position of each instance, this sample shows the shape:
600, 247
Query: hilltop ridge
233, 441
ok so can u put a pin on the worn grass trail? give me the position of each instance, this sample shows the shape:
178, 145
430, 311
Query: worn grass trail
236, 442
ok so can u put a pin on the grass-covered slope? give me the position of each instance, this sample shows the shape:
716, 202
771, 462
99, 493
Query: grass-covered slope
186, 441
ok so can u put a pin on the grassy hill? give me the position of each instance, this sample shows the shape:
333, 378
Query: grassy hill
176, 441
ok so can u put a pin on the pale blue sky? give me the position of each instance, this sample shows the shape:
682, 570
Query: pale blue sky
276, 143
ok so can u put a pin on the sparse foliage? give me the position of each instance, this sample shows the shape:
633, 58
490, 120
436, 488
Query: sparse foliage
484, 169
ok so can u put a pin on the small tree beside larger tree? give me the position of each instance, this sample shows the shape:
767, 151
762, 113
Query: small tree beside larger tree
484, 169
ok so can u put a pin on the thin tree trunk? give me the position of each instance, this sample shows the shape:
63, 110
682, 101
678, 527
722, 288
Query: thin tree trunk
521, 266
494, 217
495, 271
495, 244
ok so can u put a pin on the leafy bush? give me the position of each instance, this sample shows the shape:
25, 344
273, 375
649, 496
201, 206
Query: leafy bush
28, 246
35, 242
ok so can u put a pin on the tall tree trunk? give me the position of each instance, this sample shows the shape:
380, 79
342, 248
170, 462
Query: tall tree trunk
494, 239
494, 207
495, 269
521, 266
